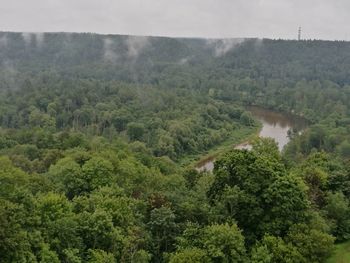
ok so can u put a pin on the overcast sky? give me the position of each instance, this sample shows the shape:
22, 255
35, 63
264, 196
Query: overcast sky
320, 19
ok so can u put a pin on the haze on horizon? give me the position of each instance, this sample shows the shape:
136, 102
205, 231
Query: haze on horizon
320, 19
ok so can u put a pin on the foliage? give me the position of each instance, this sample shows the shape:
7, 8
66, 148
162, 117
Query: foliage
94, 135
214, 243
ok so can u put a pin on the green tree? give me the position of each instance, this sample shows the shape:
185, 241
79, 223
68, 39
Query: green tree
163, 228
338, 212
14, 243
72, 255
68, 174
11, 178
100, 256
48, 256
216, 243
275, 250
261, 254
287, 202
224, 243
135, 131
312, 244
51, 207
190, 255
241, 188
98, 232
266, 146
344, 149
97, 172
247, 118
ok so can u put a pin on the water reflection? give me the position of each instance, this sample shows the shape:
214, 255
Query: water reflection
274, 125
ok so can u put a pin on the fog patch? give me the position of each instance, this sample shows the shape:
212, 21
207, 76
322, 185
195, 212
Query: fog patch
39, 39
259, 42
8, 66
9, 74
68, 36
183, 61
3, 41
27, 37
67, 39
136, 45
222, 46
108, 54
30, 37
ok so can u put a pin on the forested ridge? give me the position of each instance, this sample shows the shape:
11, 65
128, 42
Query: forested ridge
98, 134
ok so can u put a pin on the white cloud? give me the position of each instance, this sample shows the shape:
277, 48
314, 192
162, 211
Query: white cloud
39, 39
222, 46
27, 37
135, 45
3, 41
109, 55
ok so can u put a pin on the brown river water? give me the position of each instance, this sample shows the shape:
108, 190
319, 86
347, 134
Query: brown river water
274, 125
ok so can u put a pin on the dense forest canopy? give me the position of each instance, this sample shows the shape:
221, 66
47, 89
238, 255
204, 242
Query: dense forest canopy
98, 134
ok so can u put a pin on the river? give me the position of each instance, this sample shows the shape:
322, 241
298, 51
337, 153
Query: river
274, 125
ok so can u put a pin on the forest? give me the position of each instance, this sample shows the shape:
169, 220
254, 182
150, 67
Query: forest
100, 134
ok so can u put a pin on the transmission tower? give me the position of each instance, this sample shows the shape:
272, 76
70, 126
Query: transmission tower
299, 34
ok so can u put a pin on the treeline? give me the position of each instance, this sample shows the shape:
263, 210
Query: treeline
171, 123
93, 129
92, 200
154, 59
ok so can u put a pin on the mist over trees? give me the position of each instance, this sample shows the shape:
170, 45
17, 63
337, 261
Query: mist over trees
98, 134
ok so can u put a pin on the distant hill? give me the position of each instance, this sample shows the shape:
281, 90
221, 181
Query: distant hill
122, 57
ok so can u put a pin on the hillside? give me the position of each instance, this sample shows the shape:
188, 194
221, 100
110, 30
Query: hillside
99, 135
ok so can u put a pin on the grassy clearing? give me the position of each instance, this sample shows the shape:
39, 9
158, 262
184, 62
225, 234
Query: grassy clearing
341, 253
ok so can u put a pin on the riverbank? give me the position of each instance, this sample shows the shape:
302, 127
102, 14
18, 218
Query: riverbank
273, 124
238, 137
